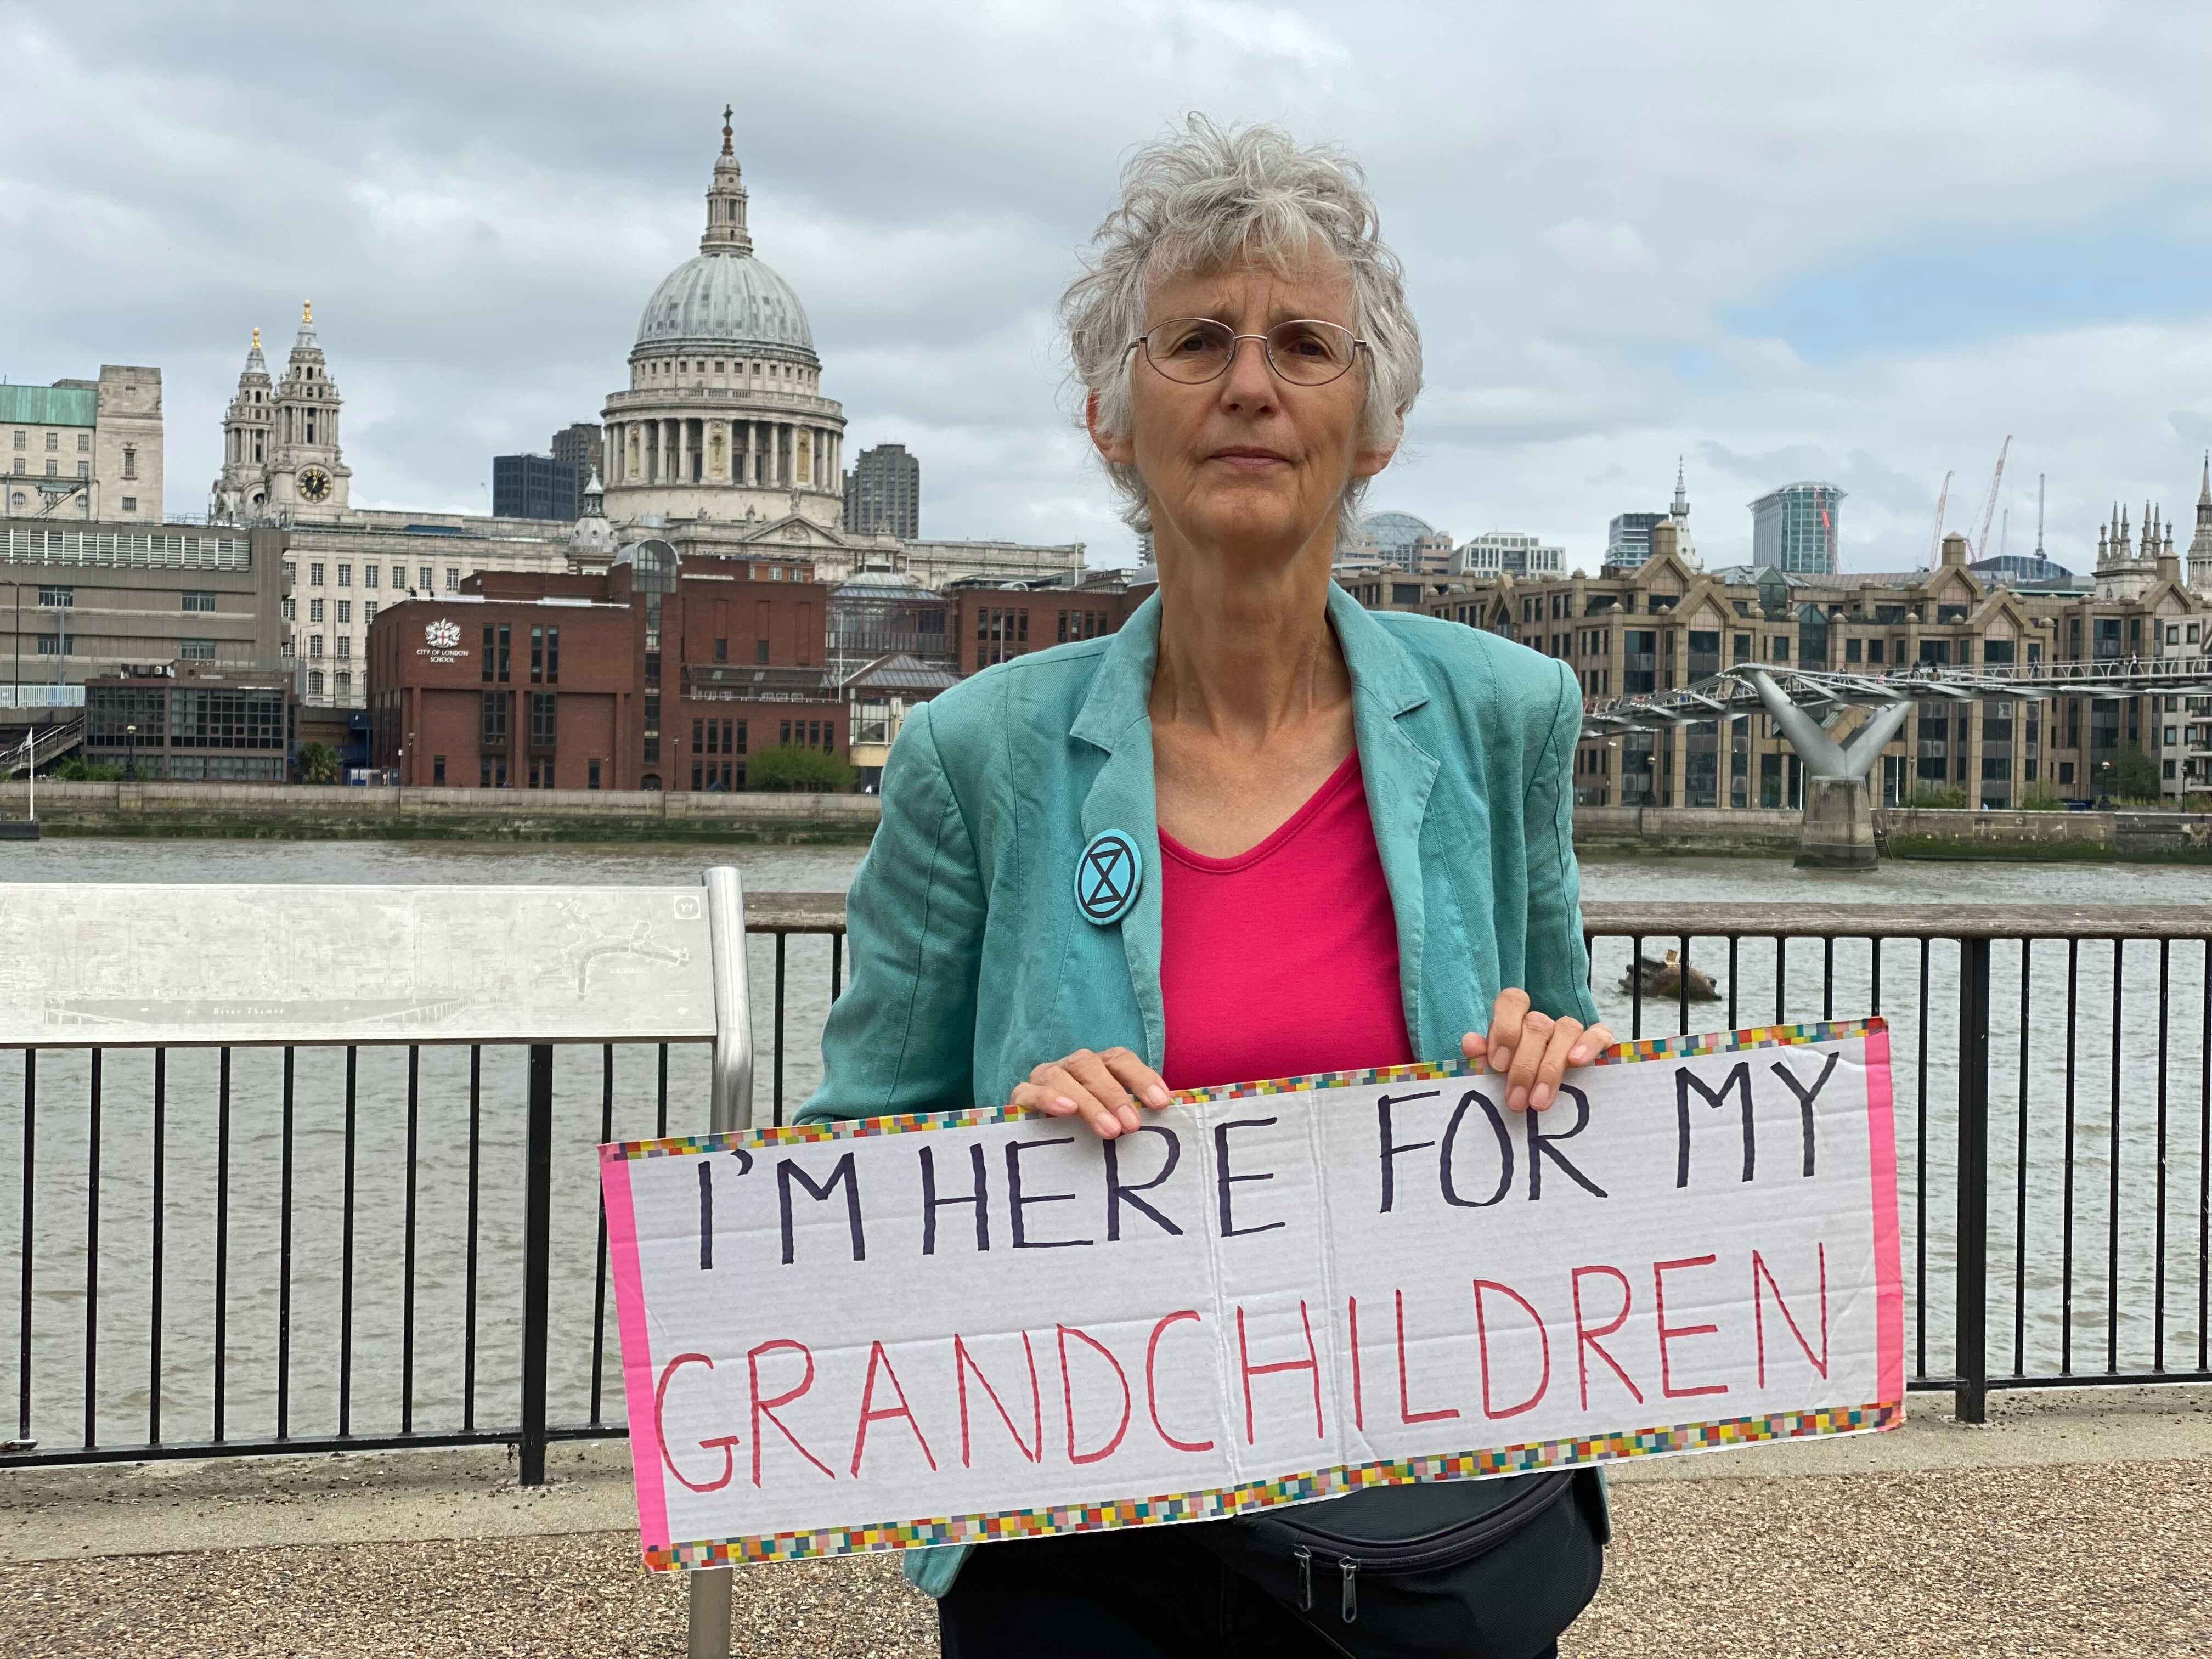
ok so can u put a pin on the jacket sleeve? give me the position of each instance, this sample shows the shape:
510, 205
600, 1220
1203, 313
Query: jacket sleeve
901, 1038
1557, 958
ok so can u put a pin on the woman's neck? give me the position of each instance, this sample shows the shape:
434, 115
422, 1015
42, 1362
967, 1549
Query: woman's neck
1245, 646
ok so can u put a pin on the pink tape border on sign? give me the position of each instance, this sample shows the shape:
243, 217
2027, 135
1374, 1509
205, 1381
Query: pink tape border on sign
661, 1554
636, 1351
1888, 1273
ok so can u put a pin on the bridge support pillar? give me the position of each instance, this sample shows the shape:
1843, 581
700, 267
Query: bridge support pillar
1836, 832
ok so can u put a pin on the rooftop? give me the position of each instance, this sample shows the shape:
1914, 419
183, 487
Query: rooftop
49, 405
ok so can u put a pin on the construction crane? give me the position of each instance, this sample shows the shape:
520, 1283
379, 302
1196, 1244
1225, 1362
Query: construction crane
1935, 542
1990, 508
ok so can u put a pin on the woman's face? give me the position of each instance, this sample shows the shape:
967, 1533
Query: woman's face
1247, 460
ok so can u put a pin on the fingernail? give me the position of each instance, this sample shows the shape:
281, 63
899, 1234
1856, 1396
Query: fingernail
1128, 1117
1500, 1059
1061, 1102
1107, 1129
1157, 1096
1579, 1057
1517, 1098
1539, 1096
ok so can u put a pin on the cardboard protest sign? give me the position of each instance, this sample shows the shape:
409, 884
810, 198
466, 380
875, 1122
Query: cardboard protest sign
990, 1324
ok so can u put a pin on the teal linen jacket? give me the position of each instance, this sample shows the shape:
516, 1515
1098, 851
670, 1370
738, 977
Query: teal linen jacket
971, 962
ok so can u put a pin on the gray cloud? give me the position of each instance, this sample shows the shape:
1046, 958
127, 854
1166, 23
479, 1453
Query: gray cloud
1603, 210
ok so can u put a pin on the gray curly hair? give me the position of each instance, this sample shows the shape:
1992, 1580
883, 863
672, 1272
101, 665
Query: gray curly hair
1202, 198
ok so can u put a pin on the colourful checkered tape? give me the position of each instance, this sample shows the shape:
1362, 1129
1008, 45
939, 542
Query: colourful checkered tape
1675, 1047
1237, 1500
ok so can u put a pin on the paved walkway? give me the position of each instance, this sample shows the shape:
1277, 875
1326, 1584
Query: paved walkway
2076, 1525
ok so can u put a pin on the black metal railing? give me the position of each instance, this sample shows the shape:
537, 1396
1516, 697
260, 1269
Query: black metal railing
273, 1175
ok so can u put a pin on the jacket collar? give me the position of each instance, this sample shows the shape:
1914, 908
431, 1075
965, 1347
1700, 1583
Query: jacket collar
1397, 773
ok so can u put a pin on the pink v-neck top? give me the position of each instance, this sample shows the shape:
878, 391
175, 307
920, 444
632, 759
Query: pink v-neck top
1282, 961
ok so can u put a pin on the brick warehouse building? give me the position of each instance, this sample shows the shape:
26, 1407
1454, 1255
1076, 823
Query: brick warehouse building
991, 621
655, 674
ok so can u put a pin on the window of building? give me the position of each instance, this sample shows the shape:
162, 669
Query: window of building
53, 441
437, 769
492, 727
314, 648
345, 607
57, 599
291, 607
199, 601
368, 611
760, 650
368, 574
129, 503
721, 650
544, 718
314, 611
314, 575
425, 584
2066, 771
591, 775
53, 469
314, 682
129, 460
452, 579
345, 647
291, 647
537, 654
84, 469
20, 437
345, 575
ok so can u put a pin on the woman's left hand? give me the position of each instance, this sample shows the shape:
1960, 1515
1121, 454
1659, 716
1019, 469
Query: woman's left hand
1533, 1050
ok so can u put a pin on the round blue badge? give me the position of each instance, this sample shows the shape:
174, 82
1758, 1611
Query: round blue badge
1107, 877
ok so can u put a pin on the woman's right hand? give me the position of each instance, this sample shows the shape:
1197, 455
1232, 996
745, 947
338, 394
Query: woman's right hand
1104, 1087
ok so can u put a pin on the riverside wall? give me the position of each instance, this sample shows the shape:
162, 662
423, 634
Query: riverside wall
297, 812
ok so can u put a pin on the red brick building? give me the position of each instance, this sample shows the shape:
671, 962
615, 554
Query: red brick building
653, 675
991, 624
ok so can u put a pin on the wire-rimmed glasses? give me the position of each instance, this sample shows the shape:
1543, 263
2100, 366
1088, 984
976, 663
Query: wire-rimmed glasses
1305, 351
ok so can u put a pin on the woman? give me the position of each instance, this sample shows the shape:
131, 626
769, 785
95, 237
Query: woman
1258, 833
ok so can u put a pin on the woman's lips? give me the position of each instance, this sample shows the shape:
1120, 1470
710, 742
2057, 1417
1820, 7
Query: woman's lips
1250, 461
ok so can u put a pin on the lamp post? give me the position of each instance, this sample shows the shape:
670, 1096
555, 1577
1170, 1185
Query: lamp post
130, 754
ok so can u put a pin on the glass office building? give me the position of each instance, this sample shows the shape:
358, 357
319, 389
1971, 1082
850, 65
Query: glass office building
1794, 529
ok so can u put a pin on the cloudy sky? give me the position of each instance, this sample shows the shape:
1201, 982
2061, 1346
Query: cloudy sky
1786, 240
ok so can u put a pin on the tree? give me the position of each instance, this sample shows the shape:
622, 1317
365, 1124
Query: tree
790, 768
2134, 775
319, 763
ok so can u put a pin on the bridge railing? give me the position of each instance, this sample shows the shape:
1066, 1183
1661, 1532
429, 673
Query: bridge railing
374, 1223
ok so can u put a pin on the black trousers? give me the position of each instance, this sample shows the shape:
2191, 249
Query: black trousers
1135, 1593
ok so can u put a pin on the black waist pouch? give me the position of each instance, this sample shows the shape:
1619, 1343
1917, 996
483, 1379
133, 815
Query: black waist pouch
1474, 1569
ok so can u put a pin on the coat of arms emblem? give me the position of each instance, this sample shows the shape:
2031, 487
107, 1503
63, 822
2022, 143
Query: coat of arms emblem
441, 635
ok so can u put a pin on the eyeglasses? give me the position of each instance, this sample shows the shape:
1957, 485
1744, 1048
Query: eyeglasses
1195, 350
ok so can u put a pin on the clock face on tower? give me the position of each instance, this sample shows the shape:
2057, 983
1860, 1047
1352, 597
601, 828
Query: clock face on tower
314, 484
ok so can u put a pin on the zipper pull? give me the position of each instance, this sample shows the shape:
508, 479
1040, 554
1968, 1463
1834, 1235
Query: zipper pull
1351, 1569
1305, 1577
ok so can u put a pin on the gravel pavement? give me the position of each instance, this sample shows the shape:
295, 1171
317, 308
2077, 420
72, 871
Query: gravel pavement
2108, 1559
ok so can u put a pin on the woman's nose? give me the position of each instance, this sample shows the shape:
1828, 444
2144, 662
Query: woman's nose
1249, 382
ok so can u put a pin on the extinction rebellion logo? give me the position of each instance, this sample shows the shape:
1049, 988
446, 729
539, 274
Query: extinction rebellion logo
441, 642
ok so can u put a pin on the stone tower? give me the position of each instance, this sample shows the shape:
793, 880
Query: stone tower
308, 477
240, 493
2198, 571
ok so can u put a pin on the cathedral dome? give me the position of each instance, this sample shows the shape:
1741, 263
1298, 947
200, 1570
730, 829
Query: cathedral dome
725, 300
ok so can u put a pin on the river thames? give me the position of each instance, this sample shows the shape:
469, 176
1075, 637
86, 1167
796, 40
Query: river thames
2137, 1130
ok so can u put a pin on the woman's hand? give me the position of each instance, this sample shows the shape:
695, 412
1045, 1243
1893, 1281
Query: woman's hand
1104, 1087
1533, 1050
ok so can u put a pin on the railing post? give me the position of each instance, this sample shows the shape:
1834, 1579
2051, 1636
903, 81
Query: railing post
1972, 1400
730, 1108
537, 1259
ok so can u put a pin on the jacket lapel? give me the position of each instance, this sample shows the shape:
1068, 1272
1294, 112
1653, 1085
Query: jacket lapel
1398, 775
1115, 718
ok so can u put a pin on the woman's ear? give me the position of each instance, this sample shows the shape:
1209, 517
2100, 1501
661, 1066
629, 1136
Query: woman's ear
1367, 462
1111, 446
